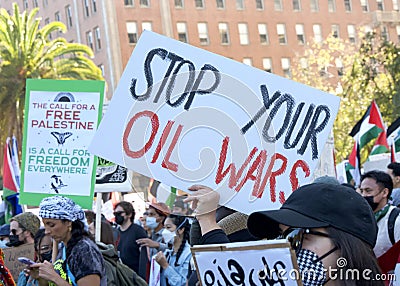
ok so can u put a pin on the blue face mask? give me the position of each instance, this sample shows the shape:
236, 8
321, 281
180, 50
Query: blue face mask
3, 243
151, 222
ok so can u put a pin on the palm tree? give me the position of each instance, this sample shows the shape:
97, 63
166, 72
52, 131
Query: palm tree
28, 51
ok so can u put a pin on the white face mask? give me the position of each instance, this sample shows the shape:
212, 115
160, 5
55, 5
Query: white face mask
168, 236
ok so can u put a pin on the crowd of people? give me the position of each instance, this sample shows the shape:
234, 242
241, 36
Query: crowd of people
323, 222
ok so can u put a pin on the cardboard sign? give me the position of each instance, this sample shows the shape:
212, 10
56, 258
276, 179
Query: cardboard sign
61, 117
11, 255
186, 116
246, 263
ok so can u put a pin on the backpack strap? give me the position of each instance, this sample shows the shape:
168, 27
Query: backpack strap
391, 223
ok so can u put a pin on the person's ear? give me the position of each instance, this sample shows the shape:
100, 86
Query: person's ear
386, 193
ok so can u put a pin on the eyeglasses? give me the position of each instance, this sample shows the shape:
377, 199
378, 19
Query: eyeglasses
295, 236
118, 213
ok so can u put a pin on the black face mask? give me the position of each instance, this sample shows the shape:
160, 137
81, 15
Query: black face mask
45, 256
370, 201
14, 241
119, 219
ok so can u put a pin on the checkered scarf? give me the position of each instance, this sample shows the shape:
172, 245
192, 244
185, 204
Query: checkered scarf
58, 207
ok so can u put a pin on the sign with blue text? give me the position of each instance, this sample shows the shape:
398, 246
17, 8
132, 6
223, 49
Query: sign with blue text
185, 116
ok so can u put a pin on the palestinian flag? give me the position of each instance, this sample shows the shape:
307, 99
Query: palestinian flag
11, 175
393, 137
369, 126
381, 145
354, 165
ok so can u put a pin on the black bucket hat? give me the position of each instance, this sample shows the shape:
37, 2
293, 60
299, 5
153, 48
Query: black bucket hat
319, 205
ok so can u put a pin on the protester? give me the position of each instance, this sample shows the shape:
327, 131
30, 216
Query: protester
23, 228
6, 278
4, 235
106, 231
313, 220
43, 252
129, 232
393, 169
79, 261
376, 188
179, 207
156, 215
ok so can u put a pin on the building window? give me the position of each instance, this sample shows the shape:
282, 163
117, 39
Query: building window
86, 8
317, 33
285, 63
300, 34
339, 66
57, 17
263, 33
260, 4
314, 5
243, 34
221, 4
281, 31
144, 3
199, 3
351, 31
68, 13
248, 61
147, 26
331, 6
335, 31
131, 28
45, 3
303, 63
396, 5
94, 6
385, 33
97, 38
89, 39
379, 4
128, 2
203, 33
224, 33
267, 64
26, 5
182, 32
347, 5
35, 3
398, 32
178, 3
296, 5
239, 4
364, 5
278, 5
101, 67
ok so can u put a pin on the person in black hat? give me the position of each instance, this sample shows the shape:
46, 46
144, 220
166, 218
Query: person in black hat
323, 223
4, 235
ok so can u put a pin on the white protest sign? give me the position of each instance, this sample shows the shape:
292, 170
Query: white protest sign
186, 116
61, 118
246, 263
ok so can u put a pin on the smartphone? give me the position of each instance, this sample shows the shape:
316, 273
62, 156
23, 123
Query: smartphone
26, 261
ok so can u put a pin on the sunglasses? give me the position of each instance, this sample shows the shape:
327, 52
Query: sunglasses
295, 236
14, 231
118, 213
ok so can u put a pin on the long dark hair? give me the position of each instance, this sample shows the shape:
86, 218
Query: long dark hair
359, 258
183, 223
78, 232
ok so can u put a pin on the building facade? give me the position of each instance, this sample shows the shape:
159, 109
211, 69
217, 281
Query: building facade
266, 34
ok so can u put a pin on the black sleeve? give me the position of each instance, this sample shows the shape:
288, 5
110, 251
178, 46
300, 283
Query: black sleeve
214, 236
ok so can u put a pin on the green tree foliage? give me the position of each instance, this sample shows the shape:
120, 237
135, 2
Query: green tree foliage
28, 51
358, 73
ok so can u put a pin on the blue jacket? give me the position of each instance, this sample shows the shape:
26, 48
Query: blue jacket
176, 275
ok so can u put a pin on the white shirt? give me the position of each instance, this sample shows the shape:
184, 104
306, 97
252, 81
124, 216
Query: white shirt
383, 242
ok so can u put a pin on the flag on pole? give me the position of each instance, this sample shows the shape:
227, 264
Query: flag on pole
355, 165
11, 179
369, 126
393, 137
